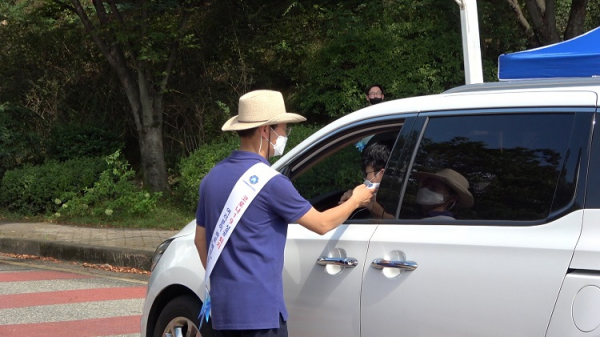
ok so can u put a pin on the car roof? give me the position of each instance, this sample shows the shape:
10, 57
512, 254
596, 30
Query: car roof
546, 93
528, 84
581, 92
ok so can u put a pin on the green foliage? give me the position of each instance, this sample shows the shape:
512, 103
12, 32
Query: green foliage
19, 143
410, 47
75, 141
198, 164
33, 189
340, 171
593, 15
321, 54
299, 133
113, 194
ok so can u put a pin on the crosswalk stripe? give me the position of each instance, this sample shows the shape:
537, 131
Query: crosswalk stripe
47, 302
79, 328
38, 276
70, 296
70, 312
27, 287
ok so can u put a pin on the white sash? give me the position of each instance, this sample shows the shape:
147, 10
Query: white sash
242, 195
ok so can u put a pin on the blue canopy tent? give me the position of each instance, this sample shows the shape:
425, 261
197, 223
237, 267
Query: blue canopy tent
577, 57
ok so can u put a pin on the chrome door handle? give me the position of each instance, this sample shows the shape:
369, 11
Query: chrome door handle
337, 261
406, 265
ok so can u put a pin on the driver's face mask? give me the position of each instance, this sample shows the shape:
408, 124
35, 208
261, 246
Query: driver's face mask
370, 184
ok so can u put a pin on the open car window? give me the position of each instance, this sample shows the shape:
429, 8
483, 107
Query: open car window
326, 171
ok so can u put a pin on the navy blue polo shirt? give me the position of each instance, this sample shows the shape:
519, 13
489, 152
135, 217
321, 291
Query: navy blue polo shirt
246, 282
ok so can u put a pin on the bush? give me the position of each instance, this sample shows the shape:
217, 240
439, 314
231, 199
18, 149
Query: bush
76, 141
19, 142
113, 194
299, 133
200, 162
411, 48
196, 166
33, 189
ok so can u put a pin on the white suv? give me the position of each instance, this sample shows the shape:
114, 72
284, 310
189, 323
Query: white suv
524, 260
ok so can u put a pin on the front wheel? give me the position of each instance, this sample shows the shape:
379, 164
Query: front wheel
180, 318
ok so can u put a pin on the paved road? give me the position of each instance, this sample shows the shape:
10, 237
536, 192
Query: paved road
40, 299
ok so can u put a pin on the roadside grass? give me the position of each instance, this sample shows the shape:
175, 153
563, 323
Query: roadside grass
167, 215
5, 215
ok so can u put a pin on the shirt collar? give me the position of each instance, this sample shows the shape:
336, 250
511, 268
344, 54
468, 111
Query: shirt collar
245, 155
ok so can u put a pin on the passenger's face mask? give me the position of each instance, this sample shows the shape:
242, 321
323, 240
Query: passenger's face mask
279, 145
427, 197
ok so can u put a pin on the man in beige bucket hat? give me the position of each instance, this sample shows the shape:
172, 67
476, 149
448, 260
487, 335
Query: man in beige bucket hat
441, 191
246, 287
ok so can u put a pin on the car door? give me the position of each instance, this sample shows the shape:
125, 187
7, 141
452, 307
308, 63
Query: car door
576, 310
497, 267
323, 274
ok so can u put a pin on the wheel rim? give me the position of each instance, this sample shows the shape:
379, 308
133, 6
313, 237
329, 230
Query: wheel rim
181, 327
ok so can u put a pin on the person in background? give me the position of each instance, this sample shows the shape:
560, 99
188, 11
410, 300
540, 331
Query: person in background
375, 94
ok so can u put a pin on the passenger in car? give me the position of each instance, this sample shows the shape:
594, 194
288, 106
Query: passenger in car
442, 191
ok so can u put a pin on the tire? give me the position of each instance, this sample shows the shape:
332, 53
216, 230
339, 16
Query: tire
181, 314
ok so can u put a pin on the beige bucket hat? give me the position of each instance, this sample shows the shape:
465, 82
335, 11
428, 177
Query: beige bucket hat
455, 181
261, 107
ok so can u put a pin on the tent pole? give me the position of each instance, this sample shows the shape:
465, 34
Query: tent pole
470, 41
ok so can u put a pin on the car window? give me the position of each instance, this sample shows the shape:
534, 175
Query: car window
324, 178
512, 163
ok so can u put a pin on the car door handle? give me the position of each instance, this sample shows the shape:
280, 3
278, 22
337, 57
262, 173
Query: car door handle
337, 261
406, 265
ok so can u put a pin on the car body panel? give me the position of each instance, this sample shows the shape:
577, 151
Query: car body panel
578, 307
324, 294
470, 280
587, 252
180, 264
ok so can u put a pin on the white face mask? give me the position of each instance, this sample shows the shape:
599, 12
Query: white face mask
279, 145
428, 197
369, 184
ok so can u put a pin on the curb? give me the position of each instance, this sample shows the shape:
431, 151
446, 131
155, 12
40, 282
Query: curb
122, 257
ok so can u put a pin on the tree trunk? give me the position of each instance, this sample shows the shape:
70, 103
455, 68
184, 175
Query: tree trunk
543, 19
153, 160
144, 93
576, 19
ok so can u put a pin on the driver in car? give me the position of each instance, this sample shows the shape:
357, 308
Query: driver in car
373, 160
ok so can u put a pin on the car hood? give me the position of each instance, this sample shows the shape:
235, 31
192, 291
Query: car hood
189, 229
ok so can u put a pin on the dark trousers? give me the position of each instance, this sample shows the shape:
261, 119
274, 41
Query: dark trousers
281, 332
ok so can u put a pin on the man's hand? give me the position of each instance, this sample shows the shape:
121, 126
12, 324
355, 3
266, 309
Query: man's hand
362, 194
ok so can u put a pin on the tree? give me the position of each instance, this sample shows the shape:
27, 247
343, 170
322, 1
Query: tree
140, 41
544, 25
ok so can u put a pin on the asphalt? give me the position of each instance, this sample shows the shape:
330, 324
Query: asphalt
121, 247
